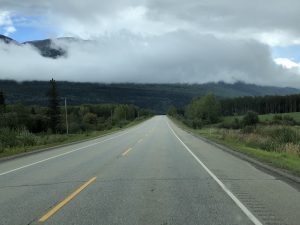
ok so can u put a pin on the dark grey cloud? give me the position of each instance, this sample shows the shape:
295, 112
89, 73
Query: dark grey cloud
242, 17
232, 15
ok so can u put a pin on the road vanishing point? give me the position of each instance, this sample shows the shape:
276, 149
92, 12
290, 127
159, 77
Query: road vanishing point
154, 173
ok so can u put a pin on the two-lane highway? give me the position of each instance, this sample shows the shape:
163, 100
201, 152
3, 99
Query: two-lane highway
154, 173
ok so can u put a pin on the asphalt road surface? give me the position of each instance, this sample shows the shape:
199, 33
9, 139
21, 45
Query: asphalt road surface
153, 173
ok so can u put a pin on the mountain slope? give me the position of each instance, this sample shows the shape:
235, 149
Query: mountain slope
45, 47
157, 97
7, 40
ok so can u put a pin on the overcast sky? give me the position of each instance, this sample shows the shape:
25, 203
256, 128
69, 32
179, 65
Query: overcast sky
164, 41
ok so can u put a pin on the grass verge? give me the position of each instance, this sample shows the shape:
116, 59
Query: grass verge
266, 117
61, 139
280, 160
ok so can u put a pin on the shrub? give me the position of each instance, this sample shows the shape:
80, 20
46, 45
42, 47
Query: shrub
90, 118
277, 117
7, 138
283, 120
257, 141
89, 121
121, 123
288, 120
248, 129
251, 118
285, 135
74, 127
25, 138
291, 148
197, 123
234, 124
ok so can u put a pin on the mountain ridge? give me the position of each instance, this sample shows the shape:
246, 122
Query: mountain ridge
44, 46
157, 97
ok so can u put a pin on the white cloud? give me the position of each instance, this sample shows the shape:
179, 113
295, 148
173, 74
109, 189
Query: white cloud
288, 63
158, 41
132, 19
6, 22
274, 24
173, 57
9, 30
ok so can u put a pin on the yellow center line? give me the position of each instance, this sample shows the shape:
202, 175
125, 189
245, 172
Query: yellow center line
69, 198
126, 152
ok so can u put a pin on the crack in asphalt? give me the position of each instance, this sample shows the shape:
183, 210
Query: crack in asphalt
42, 184
133, 179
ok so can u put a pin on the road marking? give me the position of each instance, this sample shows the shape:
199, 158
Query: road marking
126, 152
225, 189
64, 202
140, 140
62, 154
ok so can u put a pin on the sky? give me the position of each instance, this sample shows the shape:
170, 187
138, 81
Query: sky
155, 41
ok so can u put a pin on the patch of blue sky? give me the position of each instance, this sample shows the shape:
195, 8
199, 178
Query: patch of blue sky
30, 28
23, 34
291, 52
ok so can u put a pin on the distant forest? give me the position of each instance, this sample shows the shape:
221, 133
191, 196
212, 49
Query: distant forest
157, 97
261, 104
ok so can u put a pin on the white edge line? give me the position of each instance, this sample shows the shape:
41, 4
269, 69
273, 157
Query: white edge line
225, 189
62, 154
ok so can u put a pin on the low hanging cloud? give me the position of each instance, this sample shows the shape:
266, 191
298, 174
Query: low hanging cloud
155, 41
170, 58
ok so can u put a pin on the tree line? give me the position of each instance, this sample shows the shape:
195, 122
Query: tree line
157, 97
260, 104
51, 118
209, 109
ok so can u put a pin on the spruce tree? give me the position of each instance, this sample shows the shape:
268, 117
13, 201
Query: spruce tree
2, 102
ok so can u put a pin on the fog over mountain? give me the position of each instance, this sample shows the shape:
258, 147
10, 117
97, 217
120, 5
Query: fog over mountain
152, 41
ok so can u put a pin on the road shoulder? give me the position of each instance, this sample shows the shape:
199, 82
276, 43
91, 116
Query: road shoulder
277, 172
58, 145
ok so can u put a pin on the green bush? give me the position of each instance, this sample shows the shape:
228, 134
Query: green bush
283, 120
197, 123
288, 120
277, 117
285, 135
231, 124
248, 129
7, 138
74, 127
25, 138
251, 118
121, 123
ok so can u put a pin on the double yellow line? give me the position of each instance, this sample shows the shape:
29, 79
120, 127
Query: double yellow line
126, 152
65, 201
129, 149
71, 196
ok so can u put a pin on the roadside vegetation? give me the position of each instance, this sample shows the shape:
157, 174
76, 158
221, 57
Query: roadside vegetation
26, 128
272, 138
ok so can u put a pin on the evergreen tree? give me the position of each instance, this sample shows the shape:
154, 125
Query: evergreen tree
54, 110
2, 102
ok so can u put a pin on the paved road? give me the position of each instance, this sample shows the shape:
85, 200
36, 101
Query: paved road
154, 173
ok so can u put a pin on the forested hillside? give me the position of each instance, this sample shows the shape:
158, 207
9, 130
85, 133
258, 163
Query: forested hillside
157, 97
